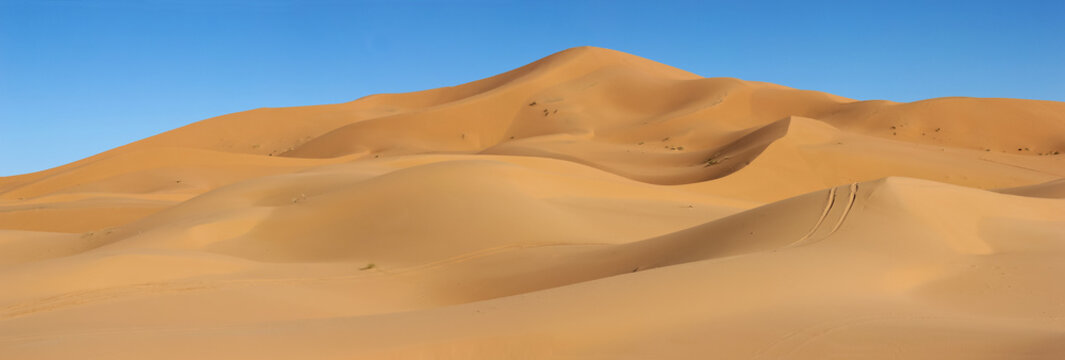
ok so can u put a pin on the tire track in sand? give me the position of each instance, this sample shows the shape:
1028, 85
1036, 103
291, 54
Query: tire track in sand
846, 210
814, 235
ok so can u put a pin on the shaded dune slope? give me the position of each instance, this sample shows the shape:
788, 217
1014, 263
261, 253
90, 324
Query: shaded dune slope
882, 258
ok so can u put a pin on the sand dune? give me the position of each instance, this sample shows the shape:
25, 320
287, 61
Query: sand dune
592, 204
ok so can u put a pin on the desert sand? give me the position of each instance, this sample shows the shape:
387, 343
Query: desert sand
590, 205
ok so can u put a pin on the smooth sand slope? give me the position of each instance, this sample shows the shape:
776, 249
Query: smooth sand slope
590, 205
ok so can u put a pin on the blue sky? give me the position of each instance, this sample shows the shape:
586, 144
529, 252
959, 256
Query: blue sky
81, 77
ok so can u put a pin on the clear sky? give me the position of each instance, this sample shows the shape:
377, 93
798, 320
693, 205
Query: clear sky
78, 77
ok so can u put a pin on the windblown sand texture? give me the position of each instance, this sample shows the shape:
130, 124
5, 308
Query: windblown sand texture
590, 205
